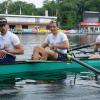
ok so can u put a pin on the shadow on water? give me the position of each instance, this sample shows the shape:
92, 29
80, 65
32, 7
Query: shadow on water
51, 90
10, 86
49, 87
7, 81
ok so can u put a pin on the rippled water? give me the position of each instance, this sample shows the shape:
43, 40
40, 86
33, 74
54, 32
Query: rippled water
83, 90
30, 89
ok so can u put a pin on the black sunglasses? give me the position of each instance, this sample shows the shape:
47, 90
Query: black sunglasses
2, 25
3, 22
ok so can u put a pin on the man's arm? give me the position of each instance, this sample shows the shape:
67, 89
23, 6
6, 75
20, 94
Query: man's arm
44, 45
18, 49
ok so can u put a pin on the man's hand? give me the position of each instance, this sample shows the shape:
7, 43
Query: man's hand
52, 46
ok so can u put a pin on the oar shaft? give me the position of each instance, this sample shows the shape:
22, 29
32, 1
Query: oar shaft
84, 46
86, 65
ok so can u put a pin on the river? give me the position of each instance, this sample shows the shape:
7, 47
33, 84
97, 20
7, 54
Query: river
65, 89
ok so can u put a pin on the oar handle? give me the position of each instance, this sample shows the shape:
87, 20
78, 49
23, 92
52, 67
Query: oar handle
86, 65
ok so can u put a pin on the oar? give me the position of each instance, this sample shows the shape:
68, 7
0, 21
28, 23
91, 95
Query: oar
86, 65
83, 46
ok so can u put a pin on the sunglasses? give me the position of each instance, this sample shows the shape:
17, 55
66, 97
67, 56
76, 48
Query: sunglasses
3, 22
2, 25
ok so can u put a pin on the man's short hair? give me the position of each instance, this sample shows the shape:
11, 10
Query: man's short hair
52, 21
3, 21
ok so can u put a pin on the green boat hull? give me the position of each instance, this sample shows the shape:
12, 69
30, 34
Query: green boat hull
41, 67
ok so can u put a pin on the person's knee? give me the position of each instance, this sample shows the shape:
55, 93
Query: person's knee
37, 48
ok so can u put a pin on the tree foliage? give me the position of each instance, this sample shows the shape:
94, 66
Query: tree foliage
17, 7
68, 12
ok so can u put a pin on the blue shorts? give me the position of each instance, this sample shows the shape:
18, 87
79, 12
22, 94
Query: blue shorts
9, 59
61, 57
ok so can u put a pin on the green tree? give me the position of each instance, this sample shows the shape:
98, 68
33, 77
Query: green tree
40, 11
15, 7
93, 5
68, 13
51, 6
26, 9
4, 6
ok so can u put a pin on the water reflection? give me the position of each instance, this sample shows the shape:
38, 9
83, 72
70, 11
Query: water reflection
54, 91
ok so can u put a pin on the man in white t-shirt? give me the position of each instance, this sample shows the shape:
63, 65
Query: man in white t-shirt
9, 42
96, 49
97, 46
54, 47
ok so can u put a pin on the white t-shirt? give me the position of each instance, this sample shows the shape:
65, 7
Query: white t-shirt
9, 40
98, 38
56, 39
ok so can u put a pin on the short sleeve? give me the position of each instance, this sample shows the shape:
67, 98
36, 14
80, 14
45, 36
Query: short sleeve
64, 37
15, 39
98, 39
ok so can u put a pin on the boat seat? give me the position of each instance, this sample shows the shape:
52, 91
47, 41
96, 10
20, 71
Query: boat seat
80, 55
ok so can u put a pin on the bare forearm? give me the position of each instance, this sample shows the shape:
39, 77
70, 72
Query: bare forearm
16, 51
44, 45
97, 46
98, 43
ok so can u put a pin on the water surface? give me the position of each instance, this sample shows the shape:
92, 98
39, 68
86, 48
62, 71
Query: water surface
38, 89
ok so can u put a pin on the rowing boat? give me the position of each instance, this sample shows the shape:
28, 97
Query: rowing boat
30, 67
46, 66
